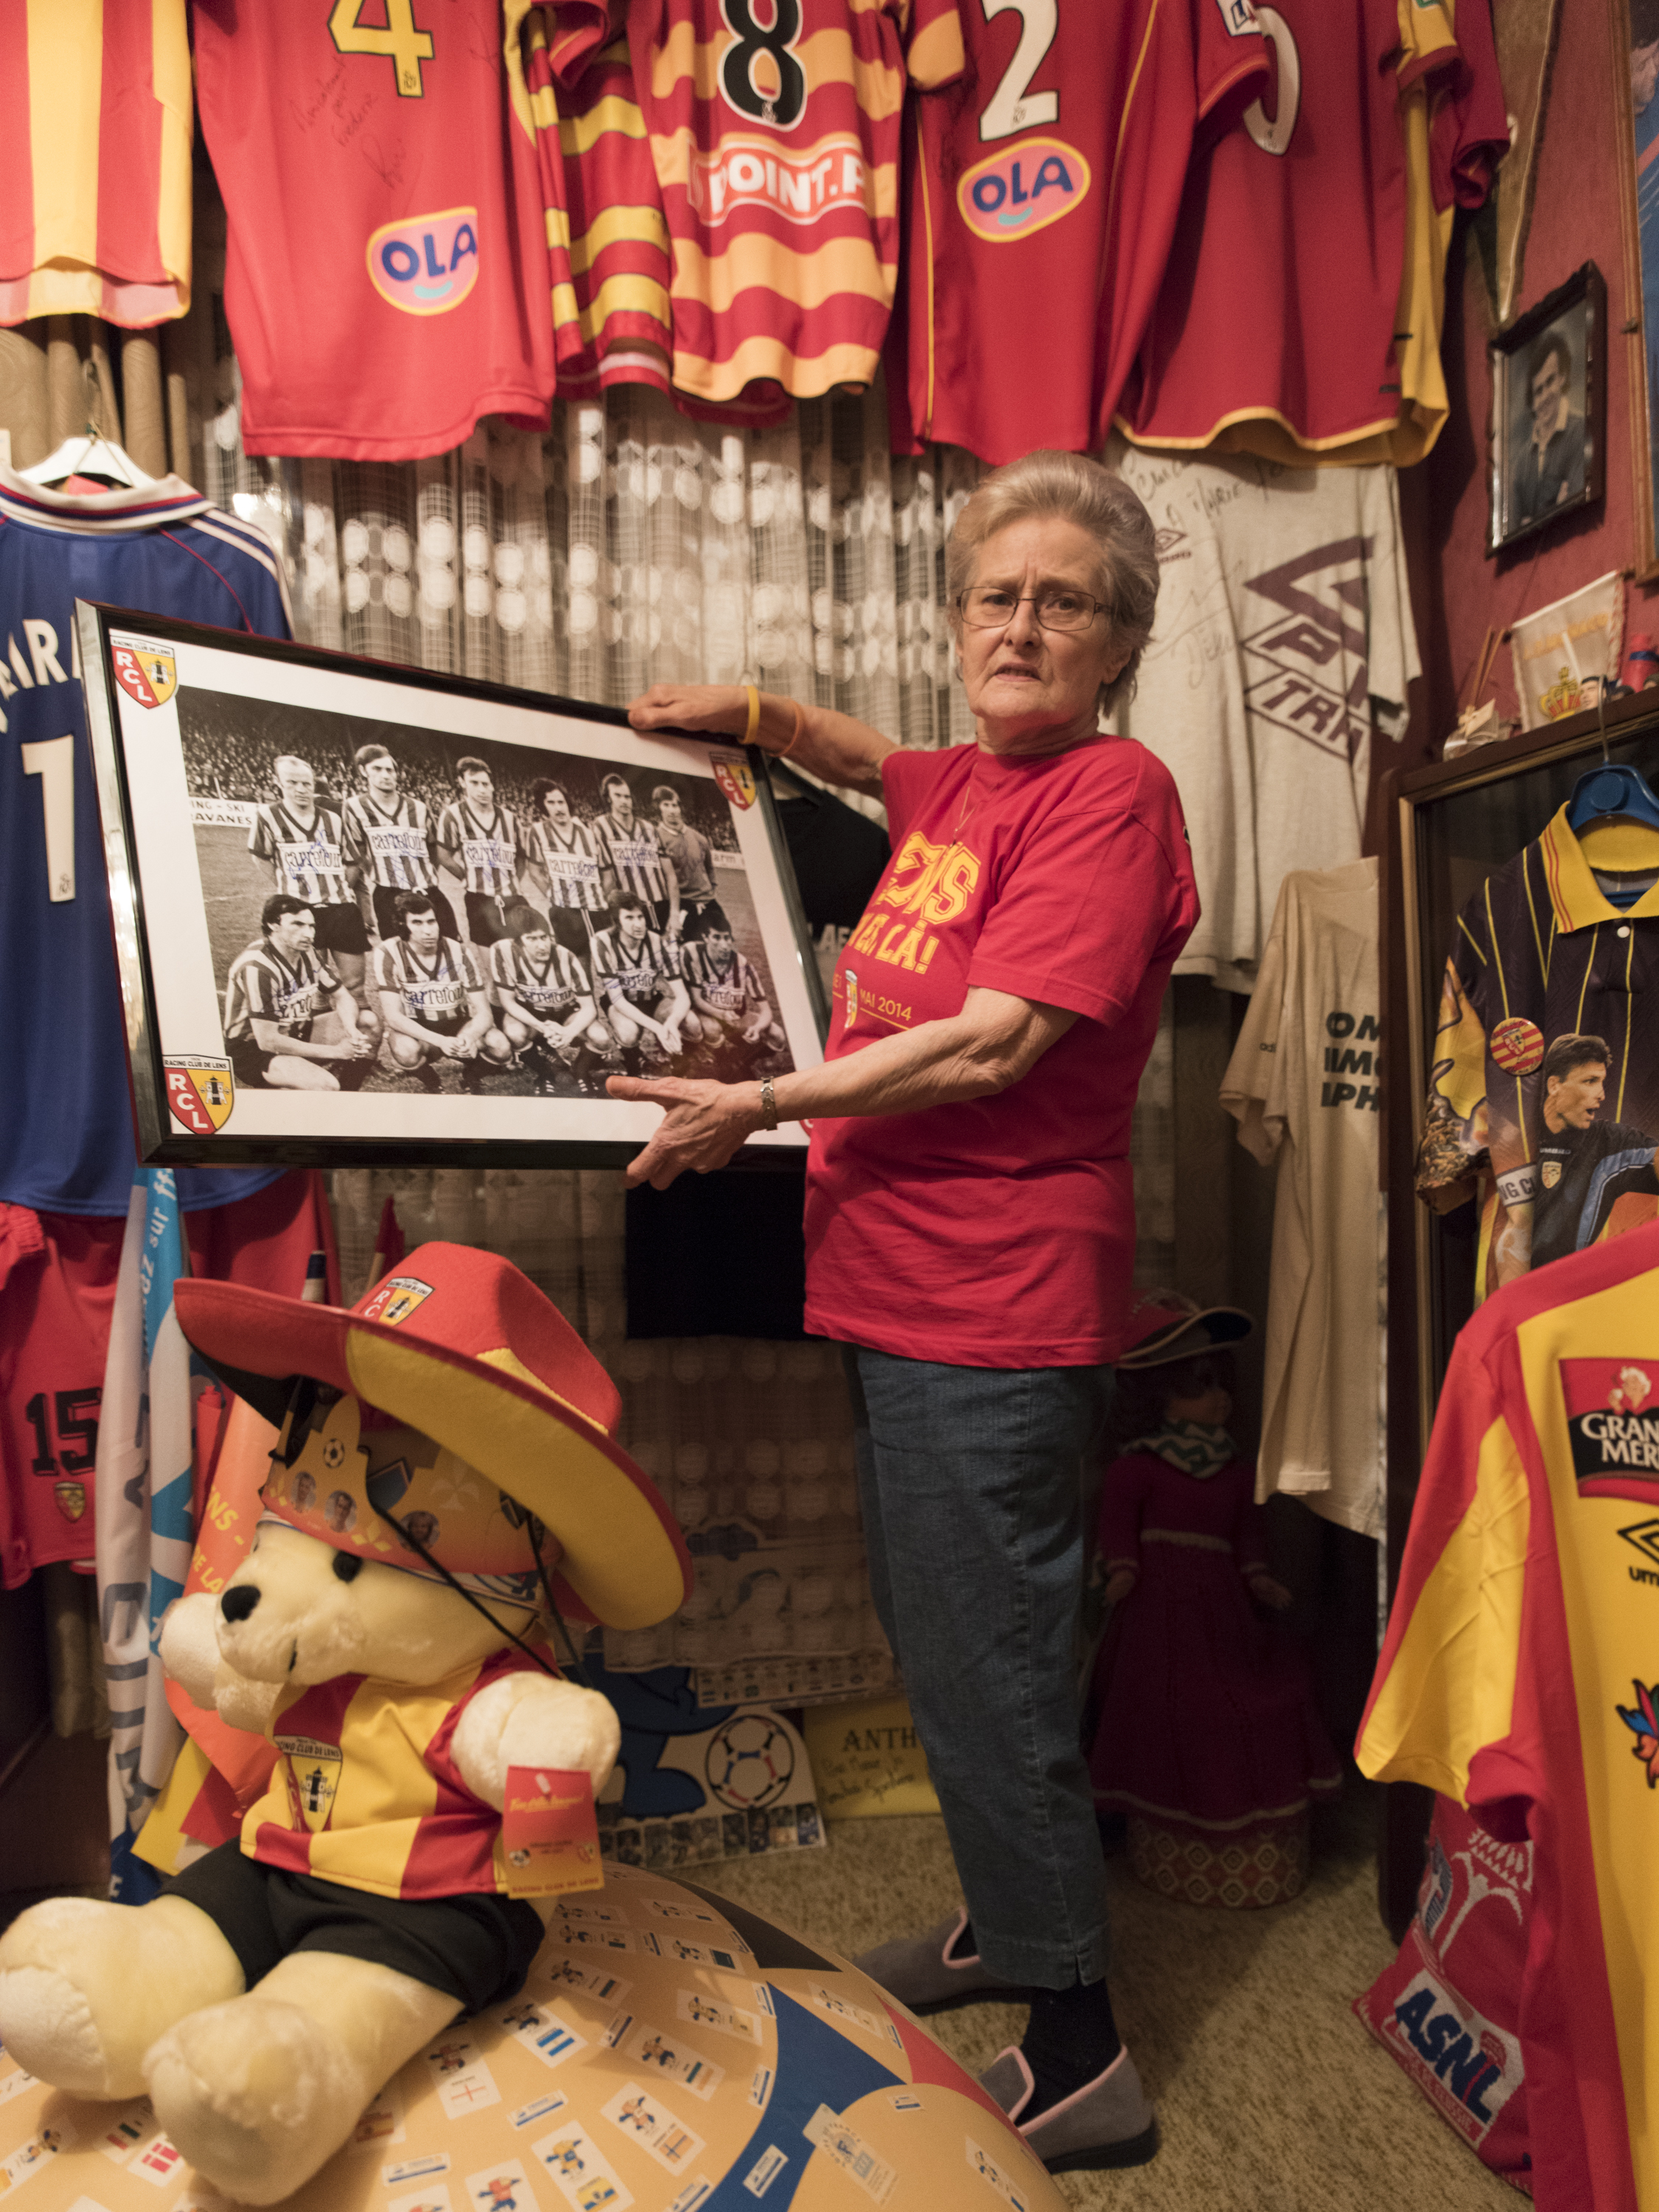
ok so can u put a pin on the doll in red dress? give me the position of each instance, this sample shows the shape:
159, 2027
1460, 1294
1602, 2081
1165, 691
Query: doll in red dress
1208, 1737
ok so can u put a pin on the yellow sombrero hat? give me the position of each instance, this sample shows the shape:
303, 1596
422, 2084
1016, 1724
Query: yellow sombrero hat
462, 1347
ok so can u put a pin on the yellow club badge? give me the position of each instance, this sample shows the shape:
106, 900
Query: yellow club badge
395, 1299
146, 673
201, 1091
737, 780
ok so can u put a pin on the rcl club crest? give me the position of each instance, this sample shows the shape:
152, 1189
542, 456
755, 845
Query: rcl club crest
737, 780
201, 1093
147, 673
1612, 1420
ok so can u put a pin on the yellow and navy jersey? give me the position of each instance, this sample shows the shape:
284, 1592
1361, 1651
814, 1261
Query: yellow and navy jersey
366, 1791
489, 850
430, 990
1544, 950
774, 133
396, 842
262, 983
1519, 1676
631, 852
731, 988
308, 862
571, 863
606, 232
645, 972
548, 993
94, 161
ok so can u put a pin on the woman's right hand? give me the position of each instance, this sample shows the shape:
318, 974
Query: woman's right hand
720, 708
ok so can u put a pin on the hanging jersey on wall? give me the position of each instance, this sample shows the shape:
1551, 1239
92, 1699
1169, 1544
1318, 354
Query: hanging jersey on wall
1305, 1086
66, 1142
94, 161
1517, 1676
775, 133
1546, 1072
1290, 241
387, 279
1283, 632
1045, 182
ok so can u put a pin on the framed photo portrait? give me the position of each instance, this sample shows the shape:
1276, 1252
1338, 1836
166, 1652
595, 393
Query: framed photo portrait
1549, 410
364, 913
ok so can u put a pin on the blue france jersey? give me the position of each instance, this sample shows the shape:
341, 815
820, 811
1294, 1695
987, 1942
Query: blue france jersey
66, 1137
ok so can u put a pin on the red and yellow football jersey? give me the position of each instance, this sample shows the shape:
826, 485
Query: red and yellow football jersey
387, 280
94, 160
366, 1791
1279, 300
1520, 1675
774, 131
1039, 193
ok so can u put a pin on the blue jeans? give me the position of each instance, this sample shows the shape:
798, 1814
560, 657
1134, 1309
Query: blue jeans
970, 1482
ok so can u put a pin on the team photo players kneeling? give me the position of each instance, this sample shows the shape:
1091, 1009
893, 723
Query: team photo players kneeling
523, 1009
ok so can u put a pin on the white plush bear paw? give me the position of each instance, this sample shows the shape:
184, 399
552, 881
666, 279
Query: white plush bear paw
255, 2093
47, 2025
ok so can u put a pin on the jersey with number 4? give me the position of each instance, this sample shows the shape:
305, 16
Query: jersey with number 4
66, 1140
386, 280
1045, 182
1290, 246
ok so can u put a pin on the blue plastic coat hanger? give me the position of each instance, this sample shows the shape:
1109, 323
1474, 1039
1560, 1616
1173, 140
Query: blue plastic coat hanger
1611, 790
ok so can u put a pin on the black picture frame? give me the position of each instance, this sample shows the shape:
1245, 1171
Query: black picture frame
1557, 351
184, 722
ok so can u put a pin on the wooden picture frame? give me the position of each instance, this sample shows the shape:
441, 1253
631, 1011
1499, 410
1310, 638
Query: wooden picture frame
1635, 137
187, 726
1547, 443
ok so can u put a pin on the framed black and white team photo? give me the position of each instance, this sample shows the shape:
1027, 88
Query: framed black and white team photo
1549, 436
365, 912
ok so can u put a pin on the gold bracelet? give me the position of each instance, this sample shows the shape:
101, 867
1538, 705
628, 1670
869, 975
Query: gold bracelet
794, 735
754, 713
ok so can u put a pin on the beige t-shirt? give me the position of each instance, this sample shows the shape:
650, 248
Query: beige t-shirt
1305, 1084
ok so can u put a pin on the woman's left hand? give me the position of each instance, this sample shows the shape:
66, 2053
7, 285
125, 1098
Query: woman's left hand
702, 1125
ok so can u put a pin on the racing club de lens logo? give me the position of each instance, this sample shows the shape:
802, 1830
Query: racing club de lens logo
737, 780
1612, 1422
201, 1091
427, 263
147, 673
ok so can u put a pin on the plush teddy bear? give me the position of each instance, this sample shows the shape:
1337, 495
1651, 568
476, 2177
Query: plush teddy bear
444, 1465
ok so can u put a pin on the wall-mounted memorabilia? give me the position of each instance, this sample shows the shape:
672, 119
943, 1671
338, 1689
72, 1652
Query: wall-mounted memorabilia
363, 912
1564, 651
1635, 141
1524, 33
1548, 437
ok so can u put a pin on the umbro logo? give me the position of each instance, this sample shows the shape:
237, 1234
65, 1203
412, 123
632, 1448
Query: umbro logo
1645, 1535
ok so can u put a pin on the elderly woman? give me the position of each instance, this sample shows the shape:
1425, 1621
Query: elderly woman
970, 1223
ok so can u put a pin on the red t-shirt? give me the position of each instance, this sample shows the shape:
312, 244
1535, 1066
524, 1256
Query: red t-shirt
999, 1231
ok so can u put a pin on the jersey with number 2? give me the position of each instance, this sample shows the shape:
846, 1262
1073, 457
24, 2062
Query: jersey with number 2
1050, 173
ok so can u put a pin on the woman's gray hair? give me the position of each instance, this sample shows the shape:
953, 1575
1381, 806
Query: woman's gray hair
1077, 490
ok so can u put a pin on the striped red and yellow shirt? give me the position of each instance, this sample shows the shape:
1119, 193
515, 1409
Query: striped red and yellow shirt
366, 1790
94, 161
774, 133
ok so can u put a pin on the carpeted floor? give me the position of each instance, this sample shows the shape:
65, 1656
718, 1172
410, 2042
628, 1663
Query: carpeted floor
1270, 2096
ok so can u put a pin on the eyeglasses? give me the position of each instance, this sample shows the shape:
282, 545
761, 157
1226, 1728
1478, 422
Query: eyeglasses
988, 606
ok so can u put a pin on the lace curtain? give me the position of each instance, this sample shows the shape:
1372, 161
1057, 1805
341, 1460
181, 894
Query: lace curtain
628, 546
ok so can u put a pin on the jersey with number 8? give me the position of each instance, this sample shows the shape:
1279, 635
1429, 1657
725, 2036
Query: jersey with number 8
1048, 179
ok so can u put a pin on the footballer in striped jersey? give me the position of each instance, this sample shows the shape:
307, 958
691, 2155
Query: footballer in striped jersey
634, 864
638, 972
303, 845
277, 990
388, 836
478, 840
434, 999
548, 1012
728, 997
563, 856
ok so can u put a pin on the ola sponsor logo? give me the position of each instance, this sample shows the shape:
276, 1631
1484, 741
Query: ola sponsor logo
1022, 189
427, 263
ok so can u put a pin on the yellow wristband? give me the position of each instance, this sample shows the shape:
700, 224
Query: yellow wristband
754, 714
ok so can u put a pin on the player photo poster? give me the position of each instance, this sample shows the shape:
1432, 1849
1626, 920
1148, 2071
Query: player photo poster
366, 912
1548, 444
